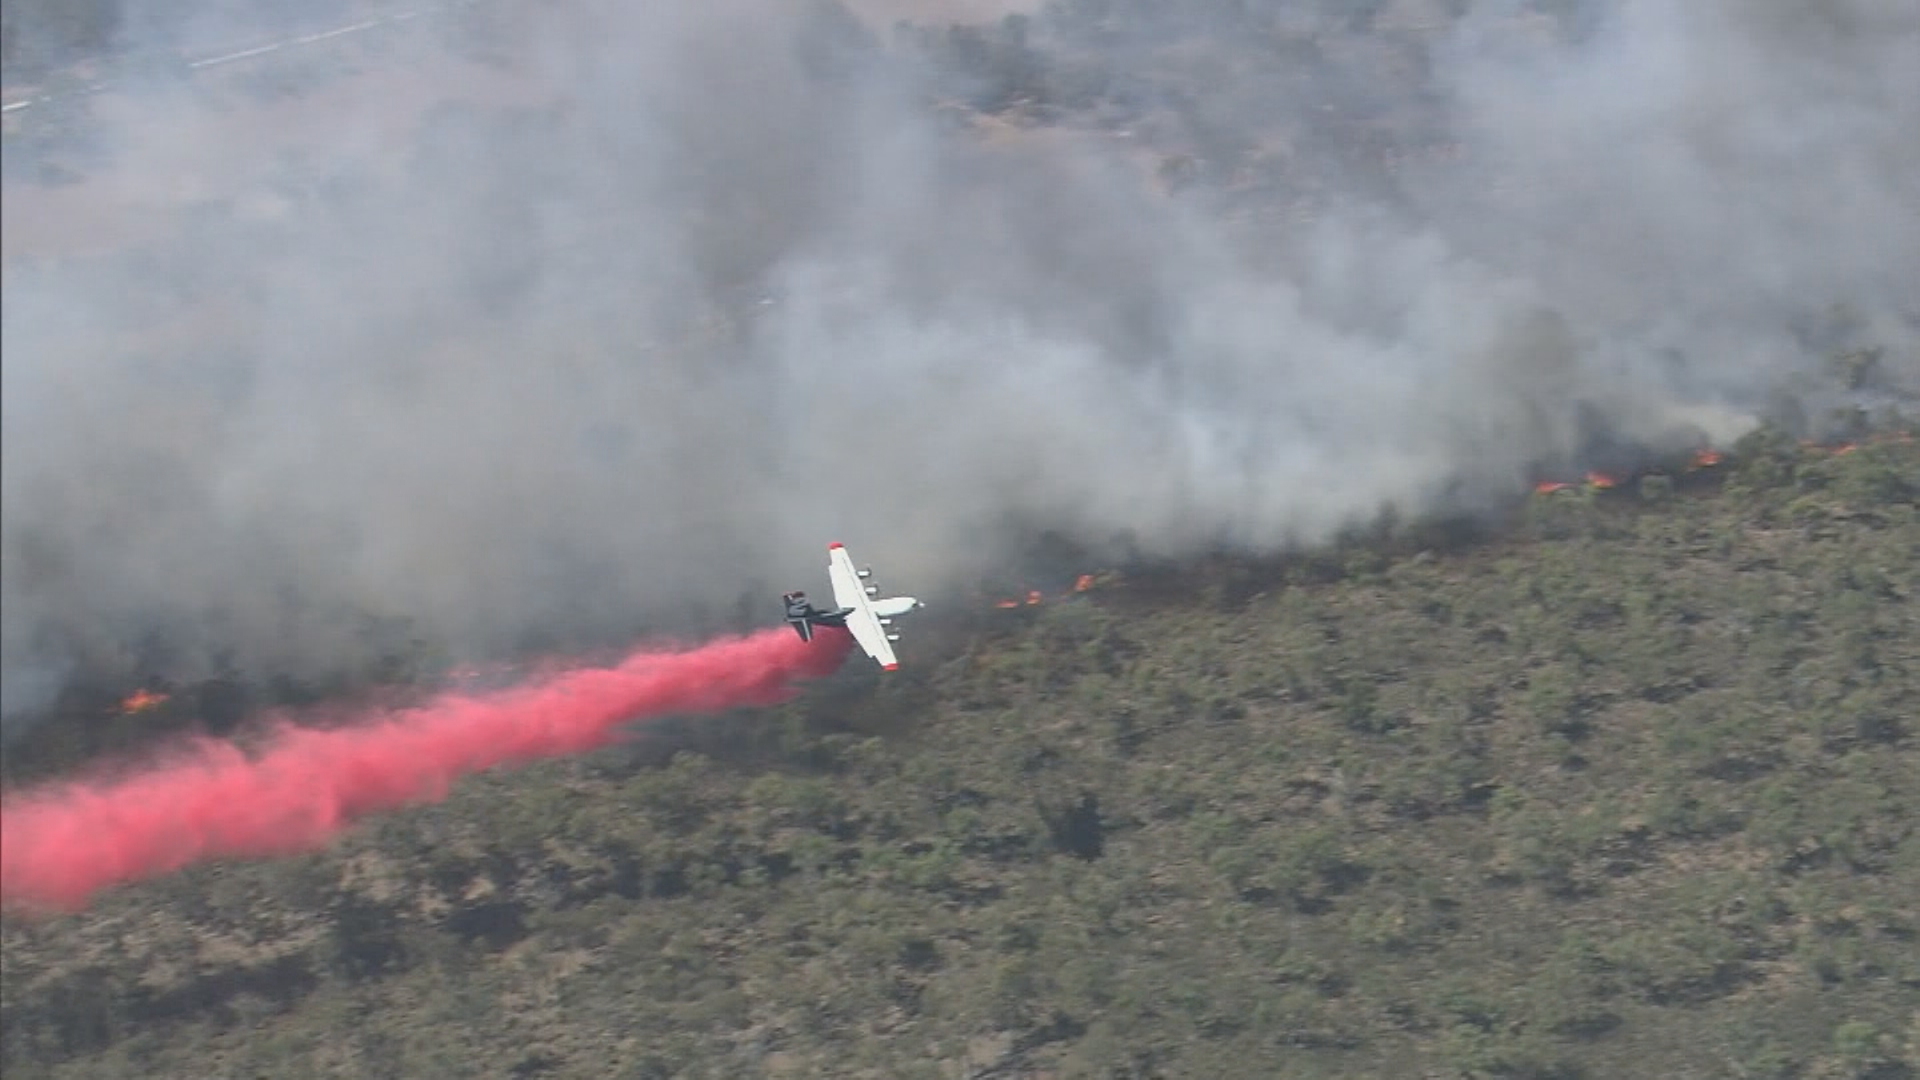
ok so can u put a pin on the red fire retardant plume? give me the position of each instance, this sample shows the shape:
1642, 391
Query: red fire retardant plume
60, 845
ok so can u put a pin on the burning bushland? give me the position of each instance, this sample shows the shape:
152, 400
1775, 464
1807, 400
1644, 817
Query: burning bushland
469, 359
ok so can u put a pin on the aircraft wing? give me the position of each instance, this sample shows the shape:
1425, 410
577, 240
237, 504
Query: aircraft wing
849, 593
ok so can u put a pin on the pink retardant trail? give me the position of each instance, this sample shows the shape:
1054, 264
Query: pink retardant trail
61, 845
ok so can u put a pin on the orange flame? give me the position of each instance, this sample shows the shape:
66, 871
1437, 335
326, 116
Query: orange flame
142, 700
1034, 597
1707, 457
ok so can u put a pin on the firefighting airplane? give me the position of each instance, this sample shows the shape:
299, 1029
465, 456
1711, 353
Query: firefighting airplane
871, 619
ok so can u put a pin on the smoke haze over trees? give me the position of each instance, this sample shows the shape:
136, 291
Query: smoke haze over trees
547, 325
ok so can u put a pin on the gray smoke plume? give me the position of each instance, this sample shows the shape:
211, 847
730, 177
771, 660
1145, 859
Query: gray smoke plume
576, 319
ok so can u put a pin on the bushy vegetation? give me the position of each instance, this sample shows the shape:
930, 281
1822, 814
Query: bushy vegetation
1626, 789
1633, 787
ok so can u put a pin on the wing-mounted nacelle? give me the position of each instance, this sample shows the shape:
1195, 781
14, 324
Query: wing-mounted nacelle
864, 572
873, 590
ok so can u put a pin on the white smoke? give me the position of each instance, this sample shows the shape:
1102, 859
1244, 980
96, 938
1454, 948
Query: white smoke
637, 319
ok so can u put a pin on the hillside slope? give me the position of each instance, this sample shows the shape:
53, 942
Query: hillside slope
1633, 785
